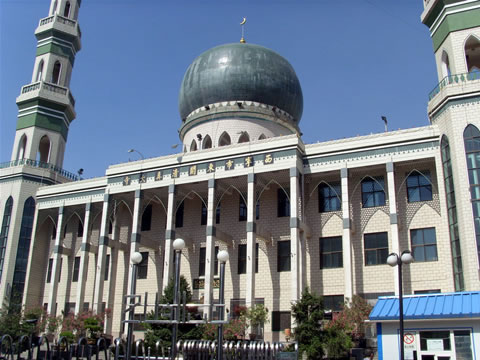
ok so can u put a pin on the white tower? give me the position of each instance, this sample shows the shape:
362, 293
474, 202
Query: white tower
45, 111
454, 106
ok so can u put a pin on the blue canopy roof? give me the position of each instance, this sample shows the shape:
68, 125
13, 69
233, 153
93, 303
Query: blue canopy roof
428, 306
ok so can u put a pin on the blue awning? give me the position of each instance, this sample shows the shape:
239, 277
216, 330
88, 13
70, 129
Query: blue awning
428, 306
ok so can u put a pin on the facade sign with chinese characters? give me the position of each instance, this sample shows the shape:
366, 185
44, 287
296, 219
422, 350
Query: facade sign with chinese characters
268, 159
210, 167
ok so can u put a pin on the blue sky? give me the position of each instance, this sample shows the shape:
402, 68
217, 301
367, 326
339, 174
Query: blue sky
356, 60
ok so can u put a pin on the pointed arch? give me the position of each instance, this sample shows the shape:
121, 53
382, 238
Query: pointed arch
22, 146
66, 11
156, 200
39, 71
472, 53
207, 142
193, 145
57, 70
445, 65
425, 178
458, 278
471, 138
224, 139
23, 249
80, 222
43, 153
7, 215
54, 7
266, 186
262, 137
244, 137
219, 200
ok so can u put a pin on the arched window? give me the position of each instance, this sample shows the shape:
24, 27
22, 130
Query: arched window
66, 12
244, 137
39, 71
445, 65
44, 149
57, 68
23, 250
21, 147
7, 215
54, 7
193, 145
224, 139
472, 53
471, 138
452, 215
207, 142
262, 137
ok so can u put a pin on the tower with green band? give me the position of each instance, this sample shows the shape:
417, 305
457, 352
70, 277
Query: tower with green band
454, 107
46, 106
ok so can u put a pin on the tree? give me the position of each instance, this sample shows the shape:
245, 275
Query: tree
308, 313
155, 332
352, 318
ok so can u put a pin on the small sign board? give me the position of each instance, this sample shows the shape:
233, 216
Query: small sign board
287, 356
409, 345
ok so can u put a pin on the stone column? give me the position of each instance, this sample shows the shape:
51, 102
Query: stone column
169, 237
294, 234
346, 237
84, 255
251, 242
112, 277
392, 200
135, 239
102, 252
57, 256
210, 251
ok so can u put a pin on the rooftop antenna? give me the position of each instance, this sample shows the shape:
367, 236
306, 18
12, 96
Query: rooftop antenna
242, 40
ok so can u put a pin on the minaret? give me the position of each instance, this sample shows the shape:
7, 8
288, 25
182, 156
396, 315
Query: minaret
46, 105
454, 107
45, 111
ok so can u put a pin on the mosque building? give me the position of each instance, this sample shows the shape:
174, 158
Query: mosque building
290, 214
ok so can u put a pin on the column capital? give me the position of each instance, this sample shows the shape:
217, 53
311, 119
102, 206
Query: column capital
251, 178
171, 188
211, 183
61, 210
346, 223
294, 172
390, 166
211, 230
251, 226
106, 197
344, 173
138, 194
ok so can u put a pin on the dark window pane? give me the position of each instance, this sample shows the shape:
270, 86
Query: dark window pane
179, 215
331, 252
283, 256
147, 219
372, 192
424, 244
142, 268
242, 209
280, 320
76, 269
283, 203
376, 248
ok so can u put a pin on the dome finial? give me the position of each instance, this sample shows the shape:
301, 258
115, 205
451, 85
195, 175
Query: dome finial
242, 40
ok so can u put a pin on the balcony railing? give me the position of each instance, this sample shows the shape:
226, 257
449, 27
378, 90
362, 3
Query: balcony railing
58, 18
454, 79
48, 87
40, 164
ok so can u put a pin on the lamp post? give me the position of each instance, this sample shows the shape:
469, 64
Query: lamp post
178, 246
223, 258
138, 152
135, 258
395, 260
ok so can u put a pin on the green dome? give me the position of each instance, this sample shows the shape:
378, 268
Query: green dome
244, 72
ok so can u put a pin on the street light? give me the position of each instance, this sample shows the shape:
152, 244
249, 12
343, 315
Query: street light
395, 260
178, 246
136, 258
223, 258
138, 152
